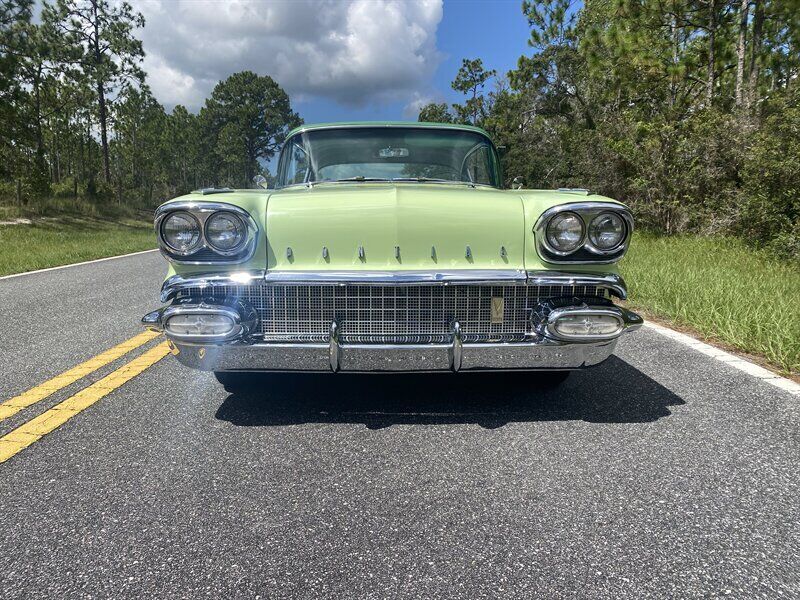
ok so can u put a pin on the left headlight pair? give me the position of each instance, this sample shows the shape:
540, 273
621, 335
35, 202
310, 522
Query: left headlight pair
225, 232
584, 232
187, 231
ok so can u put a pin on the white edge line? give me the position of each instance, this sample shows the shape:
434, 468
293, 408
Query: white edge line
738, 362
86, 262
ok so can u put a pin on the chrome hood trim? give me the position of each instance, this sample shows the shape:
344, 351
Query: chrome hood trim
611, 281
474, 276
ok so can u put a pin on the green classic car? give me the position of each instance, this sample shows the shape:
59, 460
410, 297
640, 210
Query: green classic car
391, 247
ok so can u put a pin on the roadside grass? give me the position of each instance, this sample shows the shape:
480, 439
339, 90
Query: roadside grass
722, 289
53, 242
67, 207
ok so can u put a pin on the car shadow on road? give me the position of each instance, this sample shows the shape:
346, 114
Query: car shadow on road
613, 392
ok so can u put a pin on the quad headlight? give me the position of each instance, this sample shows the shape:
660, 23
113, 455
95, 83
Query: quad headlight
607, 231
225, 232
181, 232
565, 232
583, 232
205, 232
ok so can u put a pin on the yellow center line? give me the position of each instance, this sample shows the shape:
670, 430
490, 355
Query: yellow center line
28, 433
40, 392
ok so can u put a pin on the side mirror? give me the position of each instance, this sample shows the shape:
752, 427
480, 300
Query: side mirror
517, 183
260, 181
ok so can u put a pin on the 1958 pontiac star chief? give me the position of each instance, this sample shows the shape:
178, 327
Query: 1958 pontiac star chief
391, 247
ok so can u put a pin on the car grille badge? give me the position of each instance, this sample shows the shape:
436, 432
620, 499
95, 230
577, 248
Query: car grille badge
498, 308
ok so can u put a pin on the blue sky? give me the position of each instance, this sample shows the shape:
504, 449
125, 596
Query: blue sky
495, 31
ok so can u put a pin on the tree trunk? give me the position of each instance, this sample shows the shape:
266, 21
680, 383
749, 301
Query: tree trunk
712, 35
56, 155
37, 104
104, 130
41, 166
101, 95
673, 85
741, 50
755, 49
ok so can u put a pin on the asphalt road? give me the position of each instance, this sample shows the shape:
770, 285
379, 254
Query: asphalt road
662, 473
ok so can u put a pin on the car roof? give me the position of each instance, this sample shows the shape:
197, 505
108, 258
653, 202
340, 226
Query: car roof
406, 124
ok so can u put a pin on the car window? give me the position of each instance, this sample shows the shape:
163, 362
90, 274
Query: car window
297, 163
477, 166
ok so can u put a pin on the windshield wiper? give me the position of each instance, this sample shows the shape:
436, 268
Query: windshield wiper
433, 180
362, 178
358, 178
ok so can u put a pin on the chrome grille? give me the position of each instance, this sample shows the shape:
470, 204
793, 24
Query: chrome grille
391, 313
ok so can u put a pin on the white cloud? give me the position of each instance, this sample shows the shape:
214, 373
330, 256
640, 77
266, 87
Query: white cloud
417, 101
354, 52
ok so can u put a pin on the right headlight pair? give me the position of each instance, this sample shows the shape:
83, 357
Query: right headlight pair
584, 232
566, 231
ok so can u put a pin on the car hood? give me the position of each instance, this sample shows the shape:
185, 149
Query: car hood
403, 226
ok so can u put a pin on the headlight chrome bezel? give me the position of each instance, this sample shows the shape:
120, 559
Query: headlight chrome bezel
586, 252
547, 235
204, 253
590, 236
233, 250
174, 250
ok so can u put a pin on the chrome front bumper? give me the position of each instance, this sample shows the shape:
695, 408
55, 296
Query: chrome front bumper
374, 358
542, 349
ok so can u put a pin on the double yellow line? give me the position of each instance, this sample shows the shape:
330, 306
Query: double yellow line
33, 430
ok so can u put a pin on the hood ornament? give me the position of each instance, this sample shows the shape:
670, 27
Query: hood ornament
325, 252
397, 252
361, 252
468, 253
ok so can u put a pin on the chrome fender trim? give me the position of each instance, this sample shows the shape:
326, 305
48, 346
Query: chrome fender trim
610, 281
176, 283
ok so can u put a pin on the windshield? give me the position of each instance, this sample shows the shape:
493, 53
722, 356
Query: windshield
388, 154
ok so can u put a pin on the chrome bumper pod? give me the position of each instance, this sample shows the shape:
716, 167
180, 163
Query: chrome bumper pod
238, 321
589, 323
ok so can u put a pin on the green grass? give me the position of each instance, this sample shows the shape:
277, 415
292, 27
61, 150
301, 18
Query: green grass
50, 243
721, 288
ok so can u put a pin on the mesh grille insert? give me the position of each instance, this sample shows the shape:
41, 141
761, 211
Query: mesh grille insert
391, 313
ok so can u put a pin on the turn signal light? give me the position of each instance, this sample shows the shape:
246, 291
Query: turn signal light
199, 324
588, 325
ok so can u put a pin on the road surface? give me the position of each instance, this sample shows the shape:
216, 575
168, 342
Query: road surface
661, 473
